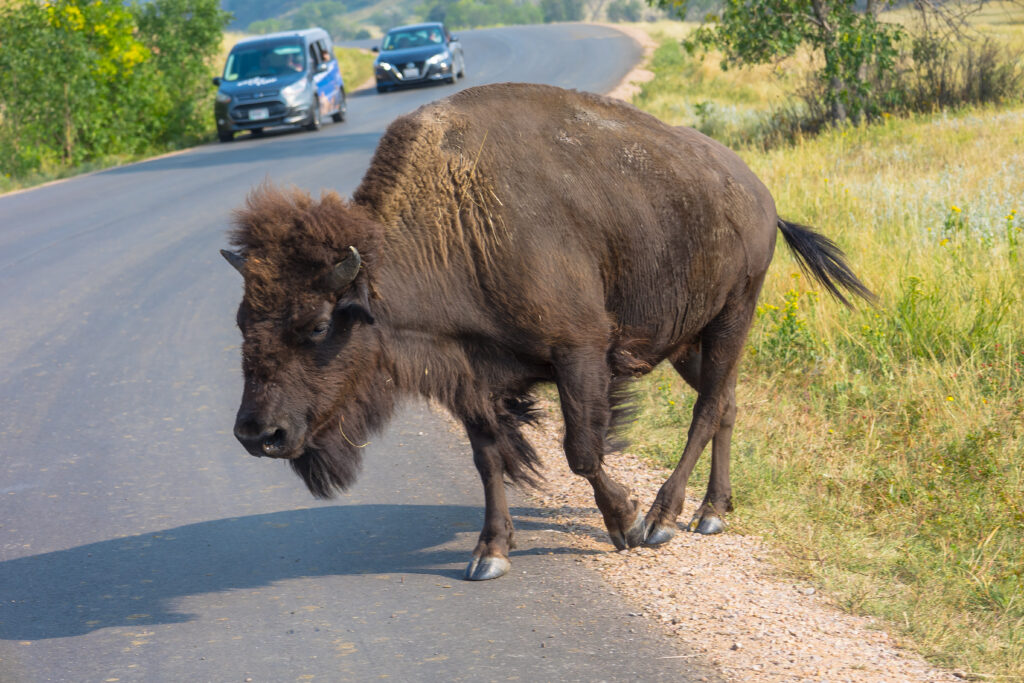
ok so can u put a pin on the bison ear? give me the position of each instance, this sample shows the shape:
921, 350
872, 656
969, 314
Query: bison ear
236, 260
345, 271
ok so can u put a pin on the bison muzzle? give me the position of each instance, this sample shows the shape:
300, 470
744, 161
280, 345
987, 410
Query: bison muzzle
503, 237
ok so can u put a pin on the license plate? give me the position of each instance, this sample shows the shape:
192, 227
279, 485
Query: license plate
259, 114
411, 73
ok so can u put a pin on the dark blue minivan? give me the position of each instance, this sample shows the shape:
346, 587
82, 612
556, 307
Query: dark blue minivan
281, 79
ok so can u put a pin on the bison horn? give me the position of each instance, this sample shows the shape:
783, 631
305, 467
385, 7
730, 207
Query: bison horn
236, 260
345, 271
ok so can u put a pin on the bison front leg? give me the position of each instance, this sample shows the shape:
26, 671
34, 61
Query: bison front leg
490, 557
583, 381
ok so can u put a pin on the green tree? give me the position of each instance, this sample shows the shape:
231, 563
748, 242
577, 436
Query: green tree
625, 10
562, 10
184, 36
85, 79
65, 66
856, 46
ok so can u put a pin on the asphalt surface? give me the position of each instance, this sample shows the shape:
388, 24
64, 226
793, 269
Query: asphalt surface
138, 542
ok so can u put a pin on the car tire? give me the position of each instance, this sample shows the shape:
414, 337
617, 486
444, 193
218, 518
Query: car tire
314, 116
339, 115
451, 79
225, 137
381, 88
462, 71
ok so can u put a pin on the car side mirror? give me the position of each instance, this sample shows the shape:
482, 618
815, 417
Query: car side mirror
321, 67
375, 48
216, 81
454, 39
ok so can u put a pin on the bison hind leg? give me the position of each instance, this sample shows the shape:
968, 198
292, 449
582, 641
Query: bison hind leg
711, 370
500, 451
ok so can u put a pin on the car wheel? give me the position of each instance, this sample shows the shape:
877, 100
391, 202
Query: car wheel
225, 137
314, 117
339, 115
462, 71
451, 79
381, 89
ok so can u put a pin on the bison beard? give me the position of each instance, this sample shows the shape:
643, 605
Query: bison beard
334, 456
330, 467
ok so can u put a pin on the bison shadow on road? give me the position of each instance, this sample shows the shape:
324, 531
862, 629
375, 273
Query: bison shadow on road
135, 580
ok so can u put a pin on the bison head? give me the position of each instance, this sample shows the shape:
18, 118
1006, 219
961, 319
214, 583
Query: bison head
314, 383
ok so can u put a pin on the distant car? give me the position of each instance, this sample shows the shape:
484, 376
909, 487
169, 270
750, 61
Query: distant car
418, 53
280, 79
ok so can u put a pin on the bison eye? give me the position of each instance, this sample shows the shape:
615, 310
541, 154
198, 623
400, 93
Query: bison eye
319, 332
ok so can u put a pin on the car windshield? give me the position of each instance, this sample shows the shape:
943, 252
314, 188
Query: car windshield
417, 37
266, 61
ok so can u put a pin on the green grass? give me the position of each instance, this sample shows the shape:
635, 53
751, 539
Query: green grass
356, 66
882, 449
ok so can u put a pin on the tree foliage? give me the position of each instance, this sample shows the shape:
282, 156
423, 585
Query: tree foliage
327, 14
855, 44
462, 14
84, 79
625, 10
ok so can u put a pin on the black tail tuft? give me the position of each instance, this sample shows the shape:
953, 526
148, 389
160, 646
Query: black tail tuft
823, 260
519, 459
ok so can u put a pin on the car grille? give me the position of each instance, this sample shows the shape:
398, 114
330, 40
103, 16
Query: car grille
419, 68
246, 97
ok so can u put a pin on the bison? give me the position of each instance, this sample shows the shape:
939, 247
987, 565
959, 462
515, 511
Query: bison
506, 236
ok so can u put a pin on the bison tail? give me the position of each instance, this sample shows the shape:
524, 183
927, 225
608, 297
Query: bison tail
519, 459
824, 261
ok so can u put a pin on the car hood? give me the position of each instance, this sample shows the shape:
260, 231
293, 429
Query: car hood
412, 54
258, 84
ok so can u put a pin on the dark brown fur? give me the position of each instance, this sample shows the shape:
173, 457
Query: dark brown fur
510, 235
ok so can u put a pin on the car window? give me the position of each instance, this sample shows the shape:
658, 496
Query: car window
406, 38
322, 53
267, 61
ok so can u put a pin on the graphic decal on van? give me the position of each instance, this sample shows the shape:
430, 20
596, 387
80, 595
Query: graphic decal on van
257, 81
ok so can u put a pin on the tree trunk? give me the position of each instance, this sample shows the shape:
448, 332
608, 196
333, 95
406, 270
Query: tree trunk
68, 127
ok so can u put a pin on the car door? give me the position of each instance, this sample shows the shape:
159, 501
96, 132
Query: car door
328, 81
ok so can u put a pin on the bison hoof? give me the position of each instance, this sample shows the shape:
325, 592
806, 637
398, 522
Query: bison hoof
660, 534
633, 537
706, 524
484, 568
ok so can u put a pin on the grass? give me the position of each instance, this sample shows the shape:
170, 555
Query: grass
882, 449
356, 66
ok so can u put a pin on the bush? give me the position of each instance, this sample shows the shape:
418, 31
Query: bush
125, 81
625, 10
562, 10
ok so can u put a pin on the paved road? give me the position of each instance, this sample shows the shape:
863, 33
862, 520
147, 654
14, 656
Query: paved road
139, 543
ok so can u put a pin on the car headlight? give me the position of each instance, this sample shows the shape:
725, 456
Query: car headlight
439, 58
223, 98
384, 66
294, 89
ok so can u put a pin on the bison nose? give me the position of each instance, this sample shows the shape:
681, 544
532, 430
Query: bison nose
259, 440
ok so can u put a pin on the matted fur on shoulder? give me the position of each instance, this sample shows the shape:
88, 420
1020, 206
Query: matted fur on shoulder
285, 235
